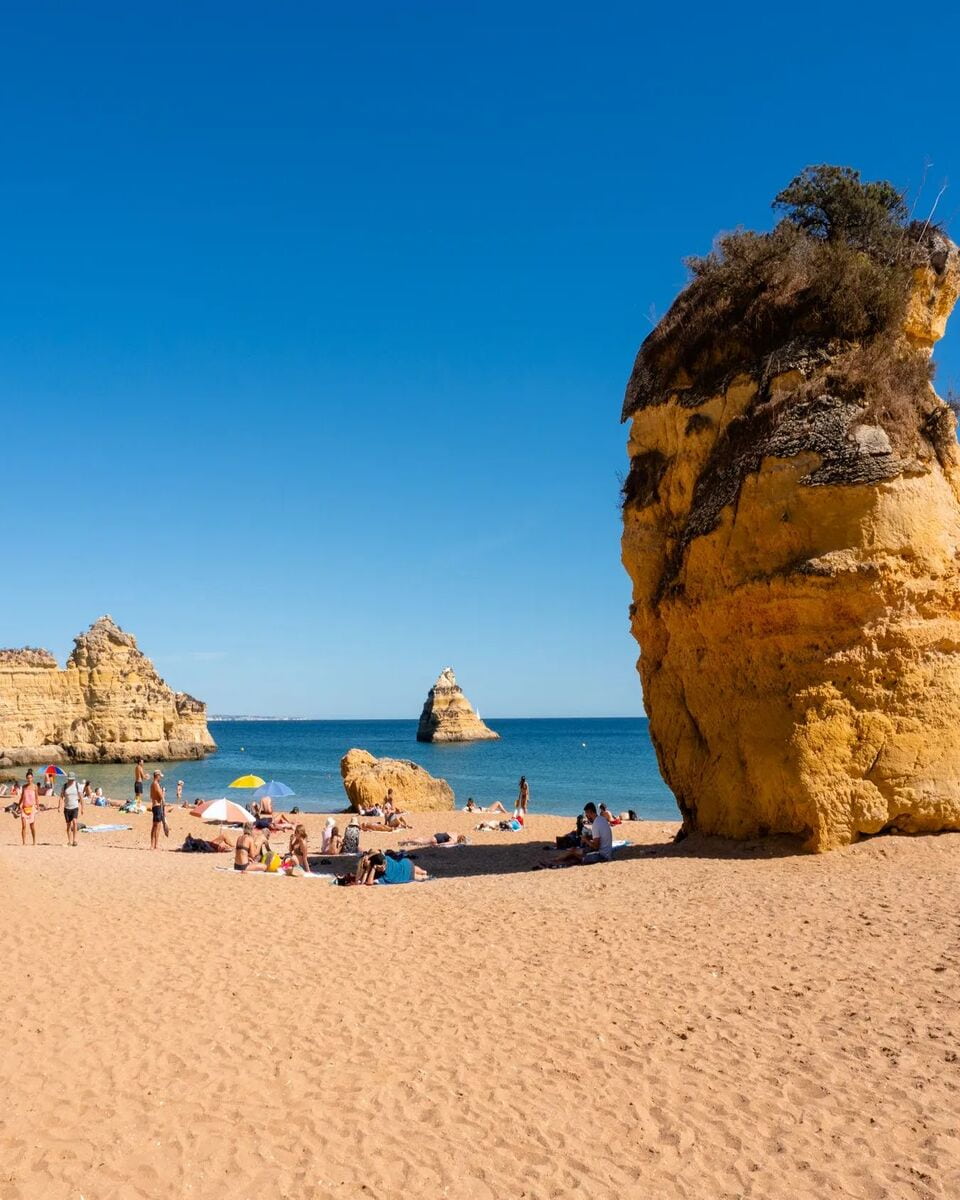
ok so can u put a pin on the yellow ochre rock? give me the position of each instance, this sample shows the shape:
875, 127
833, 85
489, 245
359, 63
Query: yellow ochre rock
448, 716
366, 781
792, 534
107, 705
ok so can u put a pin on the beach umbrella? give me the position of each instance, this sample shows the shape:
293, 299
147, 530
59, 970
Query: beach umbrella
246, 781
224, 811
273, 789
53, 770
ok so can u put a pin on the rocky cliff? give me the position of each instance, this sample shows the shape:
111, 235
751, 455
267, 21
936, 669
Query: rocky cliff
107, 705
792, 531
366, 781
448, 716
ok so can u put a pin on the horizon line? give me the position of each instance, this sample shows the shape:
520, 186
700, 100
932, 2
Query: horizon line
413, 720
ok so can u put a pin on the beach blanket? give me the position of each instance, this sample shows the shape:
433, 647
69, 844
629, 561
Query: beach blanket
621, 842
103, 828
273, 874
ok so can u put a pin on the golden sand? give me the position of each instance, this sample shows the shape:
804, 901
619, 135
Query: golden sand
700, 1021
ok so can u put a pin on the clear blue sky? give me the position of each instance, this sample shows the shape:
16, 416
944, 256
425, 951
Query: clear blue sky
315, 319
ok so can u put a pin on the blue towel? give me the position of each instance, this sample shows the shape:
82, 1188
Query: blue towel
397, 870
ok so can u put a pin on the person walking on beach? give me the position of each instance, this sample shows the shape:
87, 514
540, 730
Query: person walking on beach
159, 815
28, 809
139, 778
71, 799
523, 798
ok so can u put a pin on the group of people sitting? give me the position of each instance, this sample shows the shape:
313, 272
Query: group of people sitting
591, 843
252, 852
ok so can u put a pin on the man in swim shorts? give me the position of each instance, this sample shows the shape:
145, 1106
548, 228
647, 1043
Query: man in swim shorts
71, 798
159, 816
139, 778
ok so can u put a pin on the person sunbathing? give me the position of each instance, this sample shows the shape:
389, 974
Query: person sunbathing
245, 852
472, 807
377, 867
447, 840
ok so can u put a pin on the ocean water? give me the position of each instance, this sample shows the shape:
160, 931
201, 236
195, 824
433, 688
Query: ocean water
566, 761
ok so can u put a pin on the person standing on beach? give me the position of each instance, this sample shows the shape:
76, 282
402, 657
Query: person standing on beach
28, 809
139, 778
159, 815
523, 798
71, 799
179, 791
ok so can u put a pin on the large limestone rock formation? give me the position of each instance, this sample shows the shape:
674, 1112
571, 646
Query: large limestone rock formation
108, 705
448, 716
366, 780
792, 532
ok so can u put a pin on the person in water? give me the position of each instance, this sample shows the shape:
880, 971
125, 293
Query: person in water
29, 802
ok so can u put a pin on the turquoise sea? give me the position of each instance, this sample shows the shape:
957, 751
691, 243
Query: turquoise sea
566, 761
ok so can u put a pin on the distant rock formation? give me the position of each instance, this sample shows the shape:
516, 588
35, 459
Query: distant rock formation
107, 705
366, 780
792, 531
448, 715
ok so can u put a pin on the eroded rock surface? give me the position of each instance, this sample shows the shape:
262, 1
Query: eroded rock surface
107, 705
792, 535
448, 716
366, 780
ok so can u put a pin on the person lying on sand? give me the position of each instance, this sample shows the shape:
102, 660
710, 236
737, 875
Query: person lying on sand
447, 840
608, 815
245, 852
596, 846
473, 807
377, 867
221, 844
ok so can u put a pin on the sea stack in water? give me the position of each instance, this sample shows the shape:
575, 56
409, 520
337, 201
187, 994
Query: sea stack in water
792, 526
366, 781
448, 715
108, 705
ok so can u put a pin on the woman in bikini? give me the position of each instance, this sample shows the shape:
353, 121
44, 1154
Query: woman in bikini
28, 809
298, 848
523, 798
244, 851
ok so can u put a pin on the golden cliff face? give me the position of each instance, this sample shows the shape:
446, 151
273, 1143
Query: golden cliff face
107, 705
796, 590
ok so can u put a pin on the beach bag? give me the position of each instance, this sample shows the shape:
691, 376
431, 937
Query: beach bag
273, 862
347, 880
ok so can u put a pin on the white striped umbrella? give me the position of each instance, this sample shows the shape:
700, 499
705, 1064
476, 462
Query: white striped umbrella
224, 812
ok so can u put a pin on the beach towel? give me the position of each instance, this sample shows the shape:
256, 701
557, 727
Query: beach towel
620, 842
273, 874
103, 828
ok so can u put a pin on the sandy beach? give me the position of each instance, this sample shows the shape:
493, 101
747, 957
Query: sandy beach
701, 1021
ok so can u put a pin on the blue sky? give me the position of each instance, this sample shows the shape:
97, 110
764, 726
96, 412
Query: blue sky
315, 319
